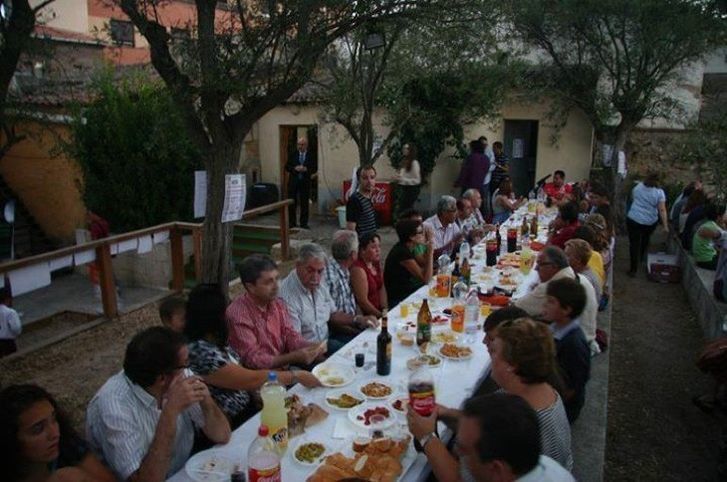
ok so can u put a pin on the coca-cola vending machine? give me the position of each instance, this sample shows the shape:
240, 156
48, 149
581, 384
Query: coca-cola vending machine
383, 199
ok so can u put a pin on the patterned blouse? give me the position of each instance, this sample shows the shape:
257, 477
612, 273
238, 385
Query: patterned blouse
206, 358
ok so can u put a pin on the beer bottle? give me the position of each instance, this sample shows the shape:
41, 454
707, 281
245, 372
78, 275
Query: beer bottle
498, 237
534, 227
465, 271
524, 229
383, 347
424, 324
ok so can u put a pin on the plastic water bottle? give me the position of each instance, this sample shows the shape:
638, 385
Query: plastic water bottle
464, 251
459, 292
263, 461
471, 315
273, 415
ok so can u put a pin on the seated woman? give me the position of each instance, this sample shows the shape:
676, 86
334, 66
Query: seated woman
703, 250
212, 358
565, 224
402, 274
367, 278
502, 204
38, 443
523, 360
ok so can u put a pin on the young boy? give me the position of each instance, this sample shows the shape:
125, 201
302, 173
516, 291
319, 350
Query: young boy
172, 311
10, 326
564, 304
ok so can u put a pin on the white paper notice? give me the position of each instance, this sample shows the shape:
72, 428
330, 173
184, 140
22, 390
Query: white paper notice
161, 237
235, 190
623, 167
607, 154
28, 279
200, 193
128, 245
518, 148
145, 244
59, 263
84, 257
114, 249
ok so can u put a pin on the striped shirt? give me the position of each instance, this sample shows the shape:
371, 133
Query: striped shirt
121, 422
555, 433
259, 334
360, 210
309, 312
338, 282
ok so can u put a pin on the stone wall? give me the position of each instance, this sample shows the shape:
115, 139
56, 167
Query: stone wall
150, 270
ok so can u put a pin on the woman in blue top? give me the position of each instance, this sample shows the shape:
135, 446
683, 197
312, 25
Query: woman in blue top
648, 205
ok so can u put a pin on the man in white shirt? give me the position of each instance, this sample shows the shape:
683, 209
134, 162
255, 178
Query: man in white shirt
10, 325
142, 420
442, 227
552, 263
310, 304
499, 440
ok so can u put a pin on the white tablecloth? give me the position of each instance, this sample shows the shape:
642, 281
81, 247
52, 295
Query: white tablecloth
455, 381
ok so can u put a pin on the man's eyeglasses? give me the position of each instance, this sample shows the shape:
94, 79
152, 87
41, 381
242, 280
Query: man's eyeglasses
545, 263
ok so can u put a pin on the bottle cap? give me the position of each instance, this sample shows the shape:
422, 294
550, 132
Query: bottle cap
272, 377
263, 431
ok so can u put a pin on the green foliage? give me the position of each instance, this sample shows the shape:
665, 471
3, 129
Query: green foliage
137, 163
706, 149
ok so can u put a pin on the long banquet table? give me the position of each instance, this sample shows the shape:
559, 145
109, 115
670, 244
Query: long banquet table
455, 381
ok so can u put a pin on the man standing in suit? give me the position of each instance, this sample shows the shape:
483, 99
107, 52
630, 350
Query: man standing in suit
302, 165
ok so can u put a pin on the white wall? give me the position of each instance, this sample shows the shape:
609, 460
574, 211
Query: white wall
65, 14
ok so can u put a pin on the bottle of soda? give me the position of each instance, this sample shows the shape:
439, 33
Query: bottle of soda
424, 324
263, 461
422, 398
492, 250
459, 292
383, 347
273, 414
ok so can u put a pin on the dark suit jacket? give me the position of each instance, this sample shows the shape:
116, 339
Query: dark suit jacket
311, 163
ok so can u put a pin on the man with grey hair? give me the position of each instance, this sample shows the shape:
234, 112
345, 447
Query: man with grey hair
552, 263
474, 197
446, 234
337, 278
310, 305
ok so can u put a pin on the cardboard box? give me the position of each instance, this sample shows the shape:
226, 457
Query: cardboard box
664, 268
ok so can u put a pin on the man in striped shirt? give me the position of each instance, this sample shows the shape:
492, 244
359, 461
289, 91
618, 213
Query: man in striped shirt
142, 420
360, 213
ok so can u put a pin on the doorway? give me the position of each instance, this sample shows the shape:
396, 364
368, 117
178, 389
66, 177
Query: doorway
288, 139
521, 145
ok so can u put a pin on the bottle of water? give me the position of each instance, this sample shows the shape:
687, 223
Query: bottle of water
464, 251
471, 315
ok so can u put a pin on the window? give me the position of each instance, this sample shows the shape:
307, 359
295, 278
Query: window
122, 33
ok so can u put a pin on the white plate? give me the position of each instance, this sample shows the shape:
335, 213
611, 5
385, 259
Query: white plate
463, 358
210, 466
405, 402
338, 393
377, 380
325, 371
315, 463
354, 413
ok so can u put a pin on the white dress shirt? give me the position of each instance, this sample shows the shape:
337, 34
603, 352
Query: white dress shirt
442, 235
309, 312
10, 325
121, 421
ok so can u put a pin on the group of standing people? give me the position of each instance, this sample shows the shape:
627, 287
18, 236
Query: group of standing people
484, 169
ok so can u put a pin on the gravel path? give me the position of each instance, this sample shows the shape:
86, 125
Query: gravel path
654, 430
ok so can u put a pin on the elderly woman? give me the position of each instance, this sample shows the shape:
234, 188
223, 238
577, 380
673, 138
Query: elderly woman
403, 275
212, 358
367, 277
523, 360
565, 224
38, 442
579, 253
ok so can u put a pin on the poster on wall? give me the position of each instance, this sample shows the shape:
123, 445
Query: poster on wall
235, 190
518, 148
200, 193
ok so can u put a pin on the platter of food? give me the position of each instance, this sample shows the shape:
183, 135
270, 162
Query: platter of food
431, 361
343, 399
334, 375
444, 337
362, 416
310, 452
210, 466
376, 390
452, 351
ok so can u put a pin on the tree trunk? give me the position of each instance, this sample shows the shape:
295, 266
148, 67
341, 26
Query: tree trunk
223, 158
617, 139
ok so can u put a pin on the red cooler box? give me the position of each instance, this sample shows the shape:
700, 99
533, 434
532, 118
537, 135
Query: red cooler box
383, 200
664, 268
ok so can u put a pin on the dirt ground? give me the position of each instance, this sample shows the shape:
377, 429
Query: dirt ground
654, 430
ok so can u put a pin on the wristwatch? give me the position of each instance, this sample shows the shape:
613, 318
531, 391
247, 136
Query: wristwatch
426, 439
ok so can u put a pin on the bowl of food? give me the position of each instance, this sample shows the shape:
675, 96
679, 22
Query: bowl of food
309, 452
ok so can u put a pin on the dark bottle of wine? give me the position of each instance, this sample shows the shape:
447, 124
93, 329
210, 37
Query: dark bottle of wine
383, 347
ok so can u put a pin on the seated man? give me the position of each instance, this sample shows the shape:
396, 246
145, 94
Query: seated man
498, 439
261, 330
558, 190
464, 220
566, 301
337, 278
142, 420
445, 232
552, 264
310, 304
